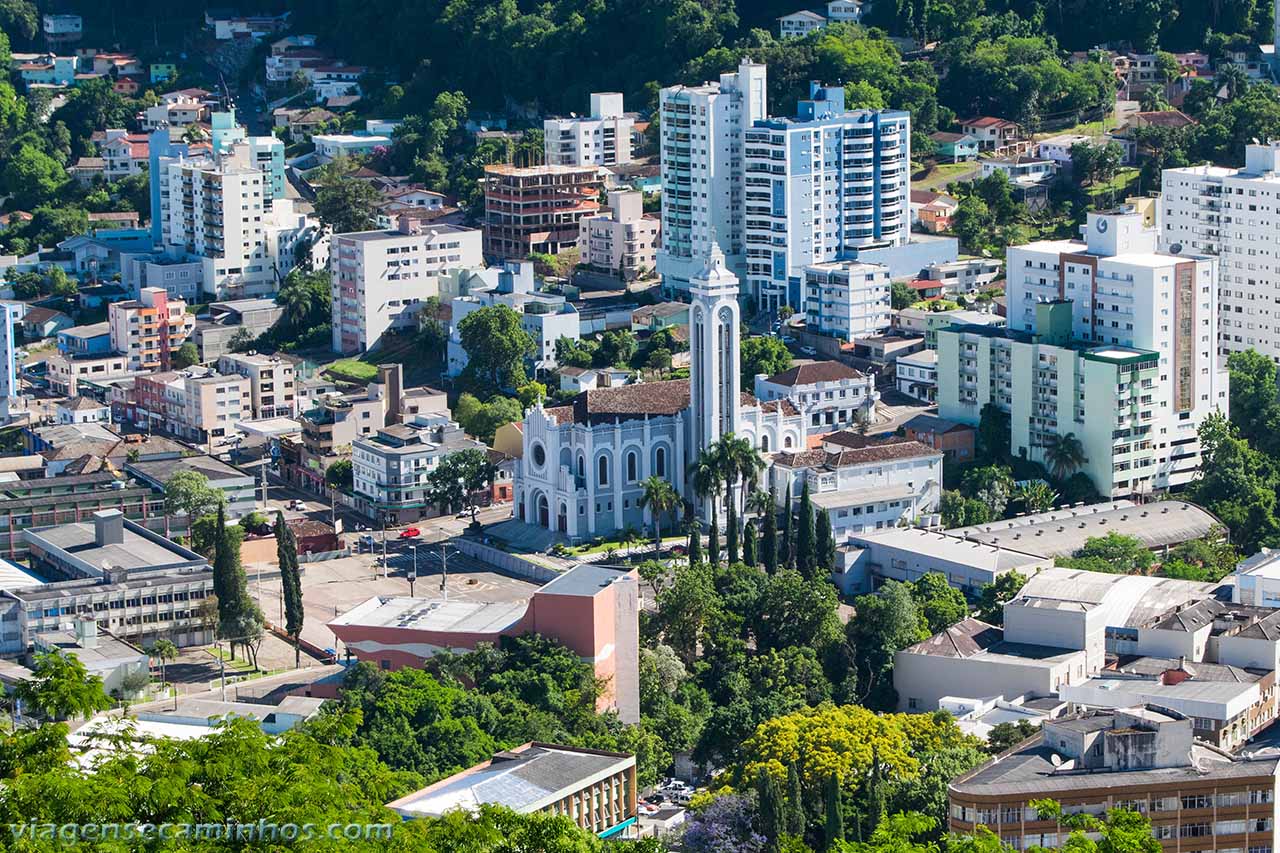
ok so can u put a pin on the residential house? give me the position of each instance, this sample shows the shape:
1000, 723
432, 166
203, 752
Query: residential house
958, 147
40, 323
954, 440
800, 23
992, 133
931, 212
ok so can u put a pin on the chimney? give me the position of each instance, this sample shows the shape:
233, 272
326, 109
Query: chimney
87, 632
108, 527
391, 377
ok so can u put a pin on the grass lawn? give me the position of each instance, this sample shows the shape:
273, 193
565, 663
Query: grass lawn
943, 174
353, 369
640, 545
1118, 186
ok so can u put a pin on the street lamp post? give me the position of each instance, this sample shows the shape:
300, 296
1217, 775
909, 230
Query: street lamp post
413, 575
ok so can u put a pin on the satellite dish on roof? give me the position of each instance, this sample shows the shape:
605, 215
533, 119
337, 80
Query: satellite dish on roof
1056, 759
1175, 248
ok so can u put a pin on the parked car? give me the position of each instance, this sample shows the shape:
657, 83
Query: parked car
299, 505
410, 533
809, 351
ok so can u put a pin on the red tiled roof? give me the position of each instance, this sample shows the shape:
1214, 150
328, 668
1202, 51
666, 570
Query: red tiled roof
817, 371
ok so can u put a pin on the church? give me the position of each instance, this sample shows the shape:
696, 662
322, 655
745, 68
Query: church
584, 463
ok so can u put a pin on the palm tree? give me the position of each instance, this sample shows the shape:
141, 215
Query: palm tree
660, 498
708, 483
163, 651
759, 503
736, 460
1064, 454
1232, 78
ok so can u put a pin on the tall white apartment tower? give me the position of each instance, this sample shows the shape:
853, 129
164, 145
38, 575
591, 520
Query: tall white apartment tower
1235, 215
819, 187
714, 358
1125, 293
600, 139
702, 170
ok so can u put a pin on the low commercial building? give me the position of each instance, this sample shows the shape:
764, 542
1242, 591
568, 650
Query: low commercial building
244, 317
591, 609
916, 375
955, 441
972, 658
964, 276
832, 394
594, 789
908, 554
1256, 580
236, 486
66, 372
1061, 532
198, 405
1135, 758
1227, 704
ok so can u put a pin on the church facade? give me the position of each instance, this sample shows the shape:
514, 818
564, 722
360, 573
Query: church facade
584, 463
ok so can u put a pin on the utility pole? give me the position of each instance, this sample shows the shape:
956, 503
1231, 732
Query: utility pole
413, 576
222, 670
444, 568
384, 545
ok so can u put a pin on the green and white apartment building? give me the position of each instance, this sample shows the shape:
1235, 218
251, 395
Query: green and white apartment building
1107, 339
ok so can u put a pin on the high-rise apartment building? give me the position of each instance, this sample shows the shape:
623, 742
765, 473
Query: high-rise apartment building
820, 186
265, 152
536, 209
600, 139
1124, 292
1233, 214
149, 329
222, 210
382, 278
702, 170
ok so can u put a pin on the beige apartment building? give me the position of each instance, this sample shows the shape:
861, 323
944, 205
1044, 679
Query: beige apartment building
272, 390
148, 330
198, 405
620, 240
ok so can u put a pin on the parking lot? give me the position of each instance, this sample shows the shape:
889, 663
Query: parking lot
332, 587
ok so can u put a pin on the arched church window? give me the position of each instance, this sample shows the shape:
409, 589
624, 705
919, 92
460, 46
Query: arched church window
660, 462
631, 466
604, 470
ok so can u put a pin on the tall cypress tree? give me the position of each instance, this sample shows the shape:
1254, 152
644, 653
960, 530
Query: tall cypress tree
833, 831
825, 557
235, 608
731, 531
795, 802
804, 534
772, 817
769, 541
713, 539
787, 555
749, 545
290, 584
695, 543
875, 796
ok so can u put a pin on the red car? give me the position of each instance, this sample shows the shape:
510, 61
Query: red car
410, 533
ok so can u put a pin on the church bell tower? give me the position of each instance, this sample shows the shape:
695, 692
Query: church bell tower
714, 349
